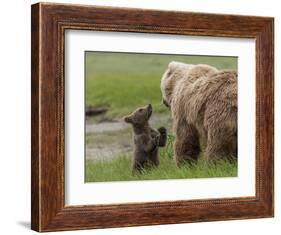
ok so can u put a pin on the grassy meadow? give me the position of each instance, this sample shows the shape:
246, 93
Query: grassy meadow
123, 82
119, 169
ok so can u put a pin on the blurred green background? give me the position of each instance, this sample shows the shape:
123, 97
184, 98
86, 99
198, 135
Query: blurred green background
124, 81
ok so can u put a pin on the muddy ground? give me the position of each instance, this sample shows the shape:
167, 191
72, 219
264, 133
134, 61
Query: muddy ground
106, 139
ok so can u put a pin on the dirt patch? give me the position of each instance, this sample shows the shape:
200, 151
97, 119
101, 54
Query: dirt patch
105, 127
109, 139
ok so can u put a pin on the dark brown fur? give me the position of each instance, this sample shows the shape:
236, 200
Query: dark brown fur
146, 139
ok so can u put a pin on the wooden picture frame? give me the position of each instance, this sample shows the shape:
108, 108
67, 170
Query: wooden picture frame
49, 22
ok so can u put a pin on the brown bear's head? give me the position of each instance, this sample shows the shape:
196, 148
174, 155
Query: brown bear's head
140, 116
175, 72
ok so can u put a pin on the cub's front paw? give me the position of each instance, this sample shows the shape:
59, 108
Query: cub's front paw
162, 130
163, 136
156, 140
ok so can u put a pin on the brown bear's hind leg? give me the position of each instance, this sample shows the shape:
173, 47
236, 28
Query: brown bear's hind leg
187, 144
218, 145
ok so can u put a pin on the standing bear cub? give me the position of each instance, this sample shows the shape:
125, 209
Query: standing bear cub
146, 139
203, 103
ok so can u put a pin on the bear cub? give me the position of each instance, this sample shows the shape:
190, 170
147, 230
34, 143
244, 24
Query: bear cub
146, 139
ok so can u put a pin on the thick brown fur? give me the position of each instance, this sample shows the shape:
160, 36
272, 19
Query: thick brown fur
203, 102
146, 139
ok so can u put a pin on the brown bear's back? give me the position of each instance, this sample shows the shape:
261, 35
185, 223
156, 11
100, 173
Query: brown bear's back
209, 102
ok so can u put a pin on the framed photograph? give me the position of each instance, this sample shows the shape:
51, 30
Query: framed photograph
144, 117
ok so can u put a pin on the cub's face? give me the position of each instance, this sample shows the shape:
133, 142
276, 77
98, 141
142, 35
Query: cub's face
140, 116
175, 72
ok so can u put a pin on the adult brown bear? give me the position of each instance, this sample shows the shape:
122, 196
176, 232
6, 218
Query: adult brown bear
203, 102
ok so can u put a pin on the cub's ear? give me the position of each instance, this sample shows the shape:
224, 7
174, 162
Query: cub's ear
128, 119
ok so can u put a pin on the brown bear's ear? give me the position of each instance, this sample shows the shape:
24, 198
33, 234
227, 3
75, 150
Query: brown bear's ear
128, 119
173, 65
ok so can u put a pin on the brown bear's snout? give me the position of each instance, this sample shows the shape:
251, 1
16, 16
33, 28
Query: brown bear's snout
165, 103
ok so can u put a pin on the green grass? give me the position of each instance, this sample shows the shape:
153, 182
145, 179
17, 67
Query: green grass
120, 169
124, 81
